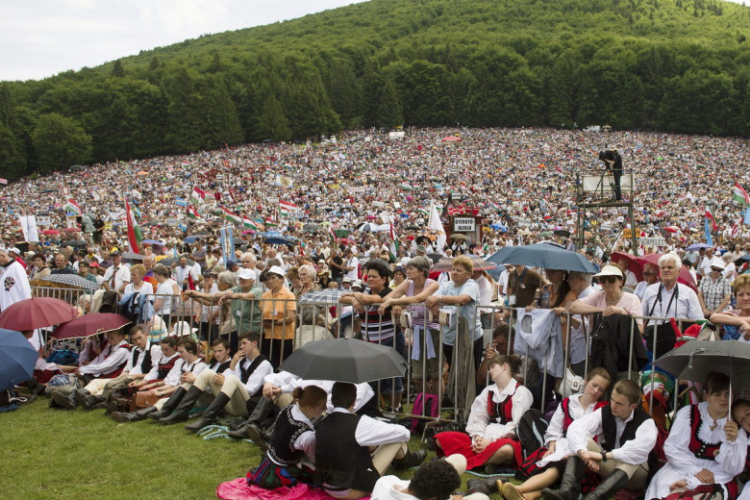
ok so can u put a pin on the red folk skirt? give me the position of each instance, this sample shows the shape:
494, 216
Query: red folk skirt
458, 442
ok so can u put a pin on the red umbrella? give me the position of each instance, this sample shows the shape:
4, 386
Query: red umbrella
34, 313
90, 324
446, 264
51, 231
71, 230
684, 277
629, 262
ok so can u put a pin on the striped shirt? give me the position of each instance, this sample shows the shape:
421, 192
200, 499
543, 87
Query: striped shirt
377, 328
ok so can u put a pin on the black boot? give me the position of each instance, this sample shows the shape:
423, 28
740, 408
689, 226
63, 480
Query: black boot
133, 416
261, 411
411, 459
170, 404
66, 401
182, 412
259, 436
211, 415
607, 488
93, 402
570, 485
80, 394
486, 486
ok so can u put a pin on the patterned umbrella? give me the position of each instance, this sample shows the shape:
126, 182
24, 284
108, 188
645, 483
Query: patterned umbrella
34, 313
90, 324
327, 296
72, 280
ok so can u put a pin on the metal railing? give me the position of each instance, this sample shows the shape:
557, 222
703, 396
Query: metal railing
313, 321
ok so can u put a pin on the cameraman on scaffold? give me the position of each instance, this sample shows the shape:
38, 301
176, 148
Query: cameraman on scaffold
613, 160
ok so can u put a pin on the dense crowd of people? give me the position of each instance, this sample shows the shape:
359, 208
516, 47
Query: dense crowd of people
213, 323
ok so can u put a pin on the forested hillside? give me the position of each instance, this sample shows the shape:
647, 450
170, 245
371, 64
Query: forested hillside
671, 65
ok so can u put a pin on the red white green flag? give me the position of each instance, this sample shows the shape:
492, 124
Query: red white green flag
740, 195
73, 207
230, 216
286, 208
133, 235
192, 213
197, 196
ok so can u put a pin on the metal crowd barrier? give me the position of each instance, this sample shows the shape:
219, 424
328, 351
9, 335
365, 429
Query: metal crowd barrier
327, 319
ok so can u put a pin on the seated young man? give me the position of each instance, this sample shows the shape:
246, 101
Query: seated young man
221, 358
353, 451
187, 365
627, 434
232, 389
108, 365
141, 360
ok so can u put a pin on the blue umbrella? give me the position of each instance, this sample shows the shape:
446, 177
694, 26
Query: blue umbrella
276, 240
17, 359
544, 255
697, 246
190, 239
153, 242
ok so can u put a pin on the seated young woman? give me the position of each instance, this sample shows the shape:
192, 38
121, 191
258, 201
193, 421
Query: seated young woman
704, 448
494, 415
546, 466
292, 440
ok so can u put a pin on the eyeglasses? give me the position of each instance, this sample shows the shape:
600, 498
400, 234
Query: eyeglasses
608, 279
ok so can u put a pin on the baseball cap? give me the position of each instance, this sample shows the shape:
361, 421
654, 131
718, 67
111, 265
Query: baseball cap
246, 274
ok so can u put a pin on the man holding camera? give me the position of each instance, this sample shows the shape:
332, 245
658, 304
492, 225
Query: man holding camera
613, 160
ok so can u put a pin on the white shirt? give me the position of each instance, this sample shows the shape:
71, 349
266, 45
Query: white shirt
479, 423
14, 285
352, 262
135, 368
154, 373
121, 274
371, 432
255, 380
173, 378
181, 274
287, 382
391, 488
633, 452
109, 359
685, 304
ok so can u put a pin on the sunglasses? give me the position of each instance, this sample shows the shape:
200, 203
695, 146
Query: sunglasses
716, 270
608, 279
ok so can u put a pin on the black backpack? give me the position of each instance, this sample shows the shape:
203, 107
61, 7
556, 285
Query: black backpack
530, 431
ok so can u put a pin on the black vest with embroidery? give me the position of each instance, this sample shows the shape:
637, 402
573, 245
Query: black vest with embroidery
146, 364
610, 427
285, 433
165, 368
698, 448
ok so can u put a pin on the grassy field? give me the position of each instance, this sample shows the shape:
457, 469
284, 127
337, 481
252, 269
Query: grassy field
52, 454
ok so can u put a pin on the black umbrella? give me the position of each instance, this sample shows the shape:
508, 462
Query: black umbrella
345, 360
173, 260
75, 243
132, 256
435, 257
697, 358
312, 228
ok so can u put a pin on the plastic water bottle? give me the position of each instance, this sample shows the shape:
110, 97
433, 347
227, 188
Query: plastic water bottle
545, 299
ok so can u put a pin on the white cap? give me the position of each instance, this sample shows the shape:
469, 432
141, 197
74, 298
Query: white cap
277, 270
246, 274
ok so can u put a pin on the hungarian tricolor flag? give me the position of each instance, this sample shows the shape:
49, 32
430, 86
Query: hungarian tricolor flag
72, 206
740, 195
192, 213
270, 222
286, 208
230, 216
134, 232
197, 196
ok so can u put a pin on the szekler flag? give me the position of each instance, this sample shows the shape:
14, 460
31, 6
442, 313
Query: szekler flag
180, 202
740, 195
197, 196
251, 224
192, 213
230, 216
73, 207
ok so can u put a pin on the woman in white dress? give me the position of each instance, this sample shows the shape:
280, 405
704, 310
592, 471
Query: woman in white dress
545, 472
704, 447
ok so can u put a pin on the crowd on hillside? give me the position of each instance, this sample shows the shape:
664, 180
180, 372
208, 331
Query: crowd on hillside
246, 309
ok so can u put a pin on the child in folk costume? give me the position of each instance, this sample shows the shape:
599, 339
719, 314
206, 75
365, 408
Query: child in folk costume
494, 416
705, 449
546, 465
292, 440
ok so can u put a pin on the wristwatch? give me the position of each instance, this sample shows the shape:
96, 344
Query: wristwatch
604, 456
